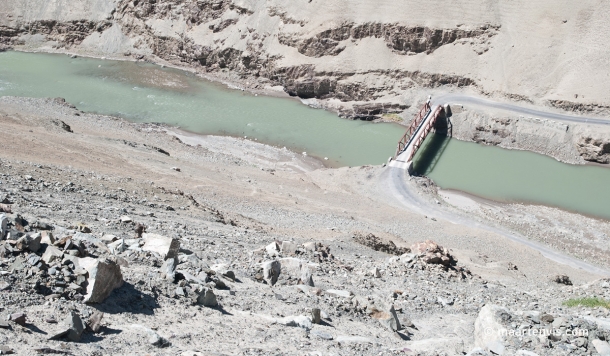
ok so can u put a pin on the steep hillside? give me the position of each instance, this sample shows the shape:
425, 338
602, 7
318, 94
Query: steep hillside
362, 58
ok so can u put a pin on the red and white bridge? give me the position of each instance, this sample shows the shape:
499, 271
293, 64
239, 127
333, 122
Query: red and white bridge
411, 141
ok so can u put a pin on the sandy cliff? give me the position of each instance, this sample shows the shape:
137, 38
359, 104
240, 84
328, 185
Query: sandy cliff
361, 58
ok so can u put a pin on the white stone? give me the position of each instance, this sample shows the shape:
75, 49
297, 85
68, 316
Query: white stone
489, 333
166, 247
273, 249
104, 277
51, 254
339, 293
602, 347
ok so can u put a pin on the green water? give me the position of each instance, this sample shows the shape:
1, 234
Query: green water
143, 92
514, 176
147, 93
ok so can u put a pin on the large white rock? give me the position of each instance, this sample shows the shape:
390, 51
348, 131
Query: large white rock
489, 333
52, 253
104, 277
297, 268
273, 249
602, 347
166, 247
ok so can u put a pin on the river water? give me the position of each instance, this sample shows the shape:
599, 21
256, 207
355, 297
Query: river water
143, 92
514, 176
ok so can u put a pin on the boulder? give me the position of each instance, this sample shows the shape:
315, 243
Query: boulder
18, 318
104, 277
271, 271
47, 238
489, 331
375, 272
289, 248
322, 335
297, 268
353, 339
33, 241
206, 297
431, 253
309, 246
3, 226
168, 269
223, 270
109, 238
117, 246
562, 279
315, 315
602, 347
75, 327
386, 316
273, 249
95, 321
166, 247
51, 254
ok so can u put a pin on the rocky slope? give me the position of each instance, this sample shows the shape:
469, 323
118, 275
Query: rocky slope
146, 245
573, 143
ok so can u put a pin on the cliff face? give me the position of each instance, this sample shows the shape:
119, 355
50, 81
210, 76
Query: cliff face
389, 54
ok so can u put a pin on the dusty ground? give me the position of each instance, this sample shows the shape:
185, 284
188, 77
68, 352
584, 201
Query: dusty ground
223, 207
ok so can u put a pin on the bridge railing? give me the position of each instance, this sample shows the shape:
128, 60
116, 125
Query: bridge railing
404, 140
425, 131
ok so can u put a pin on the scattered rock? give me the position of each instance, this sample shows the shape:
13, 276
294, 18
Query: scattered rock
273, 249
166, 247
206, 297
562, 279
376, 244
52, 254
18, 318
602, 347
489, 331
339, 293
95, 321
387, 317
432, 253
271, 271
75, 327
168, 269
104, 277
321, 334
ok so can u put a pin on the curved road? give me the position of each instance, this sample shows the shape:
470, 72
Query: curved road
396, 175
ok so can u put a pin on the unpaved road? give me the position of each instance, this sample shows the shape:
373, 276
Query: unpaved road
486, 103
396, 175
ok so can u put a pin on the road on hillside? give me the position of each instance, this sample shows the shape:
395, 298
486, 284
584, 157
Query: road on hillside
395, 177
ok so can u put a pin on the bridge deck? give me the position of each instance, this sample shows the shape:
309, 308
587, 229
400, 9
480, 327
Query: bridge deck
417, 132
